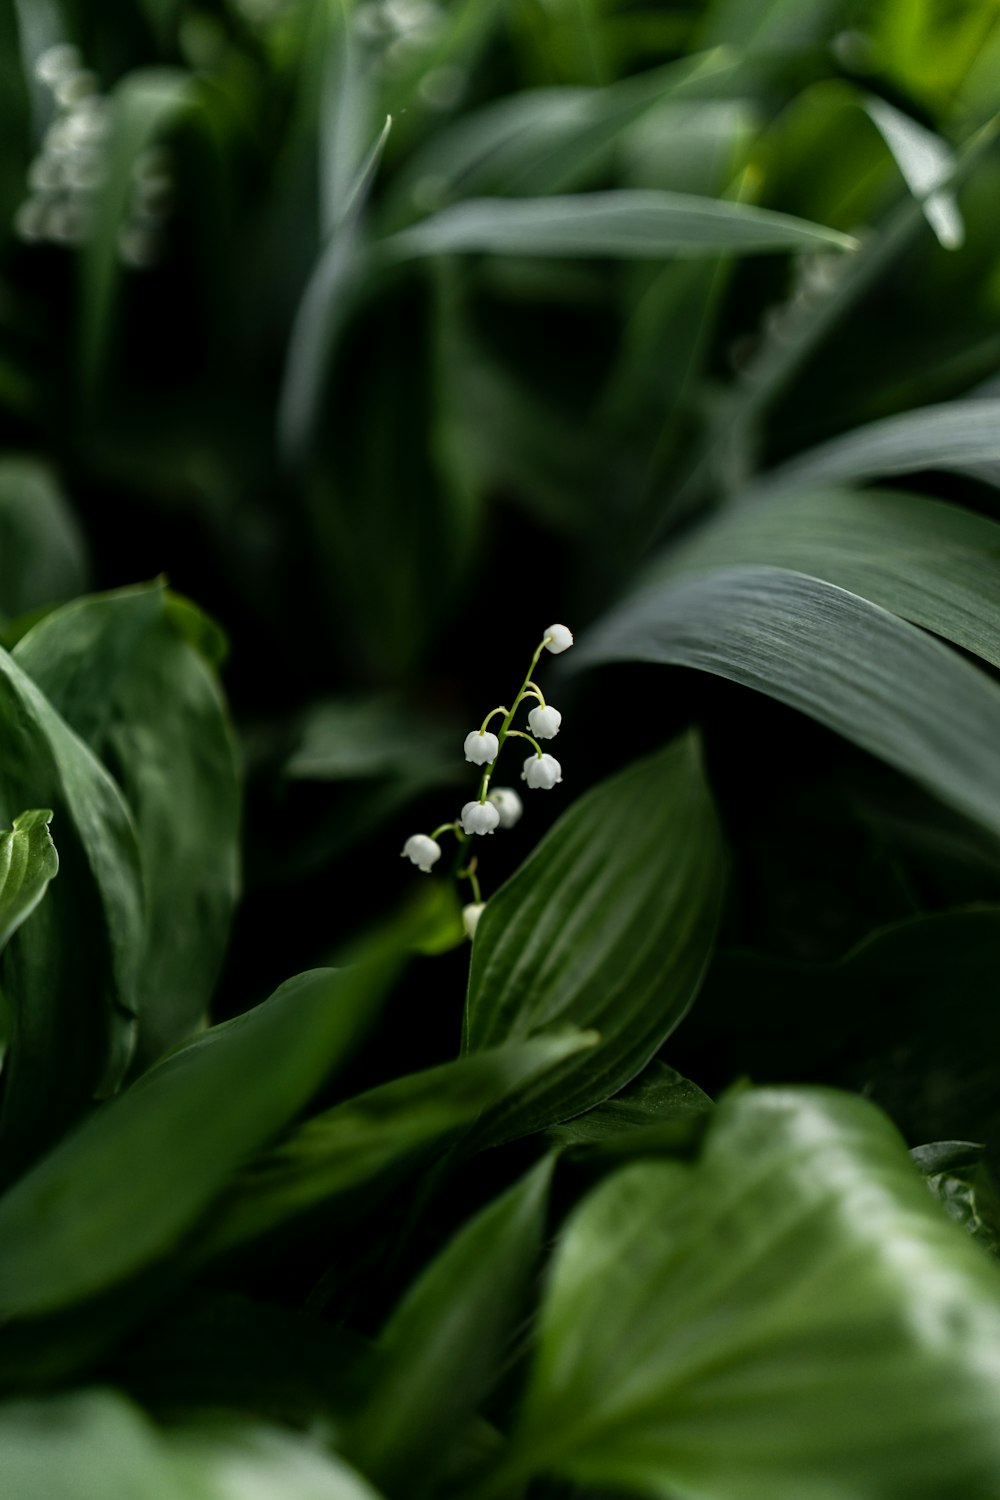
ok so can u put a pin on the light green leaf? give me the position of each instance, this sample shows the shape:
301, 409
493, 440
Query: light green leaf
791, 1318
28, 861
145, 701
368, 1141
42, 555
123, 1189
443, 1348
864, 673
925, 161
644, 224
71, 974
609, 924
959, 436
935, 564
95, 1445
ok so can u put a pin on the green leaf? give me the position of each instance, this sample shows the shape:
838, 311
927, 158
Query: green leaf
28, 861
935, 564
961, 437
609, 924
368, 1141
42, 554
659, 1097
925, 161
71, 974
544, 141
792, 1318
145, 103
643, 224
122, 1190
871, 677
443, 1348
121, 673
95, 1445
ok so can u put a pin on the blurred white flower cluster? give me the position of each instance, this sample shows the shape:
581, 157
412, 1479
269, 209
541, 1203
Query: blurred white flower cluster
72, 164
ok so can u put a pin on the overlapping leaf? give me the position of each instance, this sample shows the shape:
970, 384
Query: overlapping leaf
145, 701
860, 670
792, 1318
609, 924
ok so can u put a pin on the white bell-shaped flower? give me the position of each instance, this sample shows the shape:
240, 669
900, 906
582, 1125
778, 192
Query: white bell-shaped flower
423, 851
508, 804
544, 722
470, 917
558, 638
542, 771
481, 747
480, 817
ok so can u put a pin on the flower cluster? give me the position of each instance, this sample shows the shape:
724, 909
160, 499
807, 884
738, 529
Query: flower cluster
73, 163
500, 807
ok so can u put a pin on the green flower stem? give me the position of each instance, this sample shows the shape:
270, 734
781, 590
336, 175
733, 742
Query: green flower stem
492, 715
451, 827
526, 686
469, 874
520, 735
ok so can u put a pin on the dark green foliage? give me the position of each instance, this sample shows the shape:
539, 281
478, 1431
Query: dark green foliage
384, 332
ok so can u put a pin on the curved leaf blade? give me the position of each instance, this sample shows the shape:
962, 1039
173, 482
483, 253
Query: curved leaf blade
634, 223
961, 437
119, 670
125, 1186
365, 1142
871, 677
444, 1345
791, 1318
28, 861
609, 924
934, 564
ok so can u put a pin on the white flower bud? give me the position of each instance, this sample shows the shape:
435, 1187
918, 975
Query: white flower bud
479, 817
542, 771
508, 804
470, 917
481, 747
544, 722
423, 851
558, 638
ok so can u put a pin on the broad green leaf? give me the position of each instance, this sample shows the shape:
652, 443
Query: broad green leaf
124, 1187
768, 27
145, 701
609, 924
960, 436
236, 1459
95, 1445
145, 103
659, 1097
935, 564
443, 1348
28, 861
864, 673
925, 161
71, 974
791, 1318
365, 1143
643, 224
42, 555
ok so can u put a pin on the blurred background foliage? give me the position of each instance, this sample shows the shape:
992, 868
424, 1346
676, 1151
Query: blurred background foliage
264, 330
